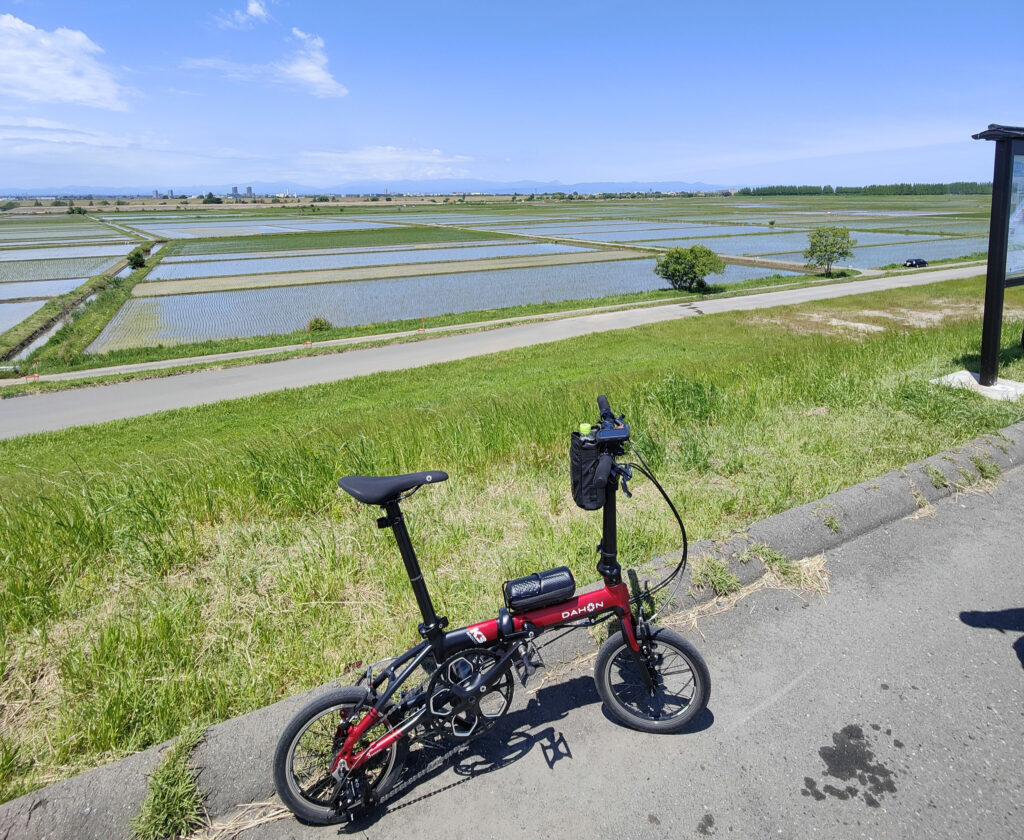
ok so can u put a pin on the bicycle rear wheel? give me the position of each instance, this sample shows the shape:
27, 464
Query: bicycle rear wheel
682, 684
302, 760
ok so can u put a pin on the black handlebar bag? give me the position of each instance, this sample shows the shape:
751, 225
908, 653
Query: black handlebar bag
589, 468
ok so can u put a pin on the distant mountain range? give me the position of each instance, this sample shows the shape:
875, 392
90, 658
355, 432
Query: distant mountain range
432, 187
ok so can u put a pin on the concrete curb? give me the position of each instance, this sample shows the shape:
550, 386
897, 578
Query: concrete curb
233, 761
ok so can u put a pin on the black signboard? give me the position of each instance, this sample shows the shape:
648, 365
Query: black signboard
1005, 239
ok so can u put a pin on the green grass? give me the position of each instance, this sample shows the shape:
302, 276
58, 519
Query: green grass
197, 564
936, 476
775, 561
986, 467
173, 806
712, 573
399, 235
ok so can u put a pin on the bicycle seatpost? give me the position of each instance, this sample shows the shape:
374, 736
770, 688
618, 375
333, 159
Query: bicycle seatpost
433, 624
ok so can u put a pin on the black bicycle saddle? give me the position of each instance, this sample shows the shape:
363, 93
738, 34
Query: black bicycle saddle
379, 490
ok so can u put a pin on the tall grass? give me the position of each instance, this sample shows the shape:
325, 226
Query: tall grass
198, 564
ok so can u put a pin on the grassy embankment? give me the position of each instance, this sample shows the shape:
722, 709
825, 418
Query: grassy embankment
197, 564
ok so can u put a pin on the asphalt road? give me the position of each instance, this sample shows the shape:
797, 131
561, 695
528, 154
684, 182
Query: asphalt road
891, 707
82, 406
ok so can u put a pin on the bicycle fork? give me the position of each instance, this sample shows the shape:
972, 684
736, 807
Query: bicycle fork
637, 636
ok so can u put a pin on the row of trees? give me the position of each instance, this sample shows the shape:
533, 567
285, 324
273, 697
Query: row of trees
953, 188
686, 268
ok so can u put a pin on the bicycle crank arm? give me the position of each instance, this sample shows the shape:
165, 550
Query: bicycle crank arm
483, 683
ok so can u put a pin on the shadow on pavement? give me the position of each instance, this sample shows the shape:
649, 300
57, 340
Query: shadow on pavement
1011, 620
512, 739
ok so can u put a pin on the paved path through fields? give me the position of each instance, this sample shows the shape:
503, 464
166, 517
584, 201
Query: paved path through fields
59, 410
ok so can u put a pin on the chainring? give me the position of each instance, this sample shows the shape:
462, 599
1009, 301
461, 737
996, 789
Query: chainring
460, 719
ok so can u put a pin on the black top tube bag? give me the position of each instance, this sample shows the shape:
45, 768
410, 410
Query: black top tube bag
589, 468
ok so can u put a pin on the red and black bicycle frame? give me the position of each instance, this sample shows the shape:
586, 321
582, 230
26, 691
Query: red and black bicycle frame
506, 634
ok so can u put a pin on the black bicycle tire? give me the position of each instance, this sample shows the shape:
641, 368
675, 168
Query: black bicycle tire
287, 788
616, 648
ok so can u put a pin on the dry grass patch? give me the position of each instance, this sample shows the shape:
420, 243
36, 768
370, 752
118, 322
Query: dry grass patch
801, 577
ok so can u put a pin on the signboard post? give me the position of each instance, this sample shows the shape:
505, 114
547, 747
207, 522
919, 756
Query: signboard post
1005, 239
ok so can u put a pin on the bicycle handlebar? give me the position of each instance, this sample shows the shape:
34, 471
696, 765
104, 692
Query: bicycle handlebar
613, 432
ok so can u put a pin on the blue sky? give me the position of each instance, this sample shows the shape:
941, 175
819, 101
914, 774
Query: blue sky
154, 95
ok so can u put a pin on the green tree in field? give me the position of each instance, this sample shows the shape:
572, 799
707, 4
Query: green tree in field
136, 259
828, 244
210, 198
686, 268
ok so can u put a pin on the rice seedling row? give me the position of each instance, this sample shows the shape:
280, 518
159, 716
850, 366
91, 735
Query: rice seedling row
15, 272
312, 252
664, 232
273, 265
63, 252
247, 228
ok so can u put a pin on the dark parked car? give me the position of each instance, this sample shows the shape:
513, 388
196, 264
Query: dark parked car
916, 262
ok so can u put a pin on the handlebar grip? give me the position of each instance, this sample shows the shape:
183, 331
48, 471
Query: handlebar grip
606, 410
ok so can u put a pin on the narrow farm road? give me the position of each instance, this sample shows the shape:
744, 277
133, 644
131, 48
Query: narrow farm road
891, 707
84, 406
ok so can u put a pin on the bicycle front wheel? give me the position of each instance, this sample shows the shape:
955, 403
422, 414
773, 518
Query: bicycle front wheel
682, 684
302, 760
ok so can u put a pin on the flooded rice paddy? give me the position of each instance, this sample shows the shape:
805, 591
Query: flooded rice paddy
197, 256
12, 314
64, 252
181, 319
249, 227
879, 255
782, 241
39, 288
273, 265
13, 272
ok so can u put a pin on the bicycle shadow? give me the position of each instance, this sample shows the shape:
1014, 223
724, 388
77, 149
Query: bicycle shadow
1011, 620
511, 740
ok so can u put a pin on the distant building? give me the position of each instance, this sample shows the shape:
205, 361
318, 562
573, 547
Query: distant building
234, 192
156, 193
170, 193
248, 192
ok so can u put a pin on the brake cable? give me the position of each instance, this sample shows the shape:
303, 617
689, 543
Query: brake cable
677, 571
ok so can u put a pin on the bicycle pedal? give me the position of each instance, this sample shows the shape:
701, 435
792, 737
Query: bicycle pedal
528, 662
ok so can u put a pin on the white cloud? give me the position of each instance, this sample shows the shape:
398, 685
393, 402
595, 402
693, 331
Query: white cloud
36, 152
306, 68
238, 19
58, 66
383, 162
18, 134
